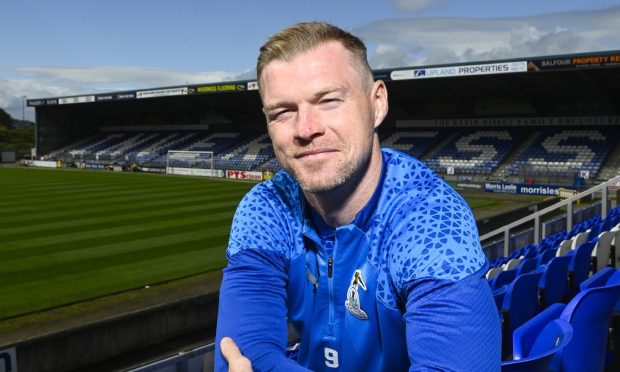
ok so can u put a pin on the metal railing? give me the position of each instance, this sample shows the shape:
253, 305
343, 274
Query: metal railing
505, 230
188, 361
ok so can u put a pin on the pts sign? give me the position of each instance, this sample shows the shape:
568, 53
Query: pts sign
244, 175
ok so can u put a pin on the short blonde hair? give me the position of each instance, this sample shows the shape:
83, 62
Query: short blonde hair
300, 38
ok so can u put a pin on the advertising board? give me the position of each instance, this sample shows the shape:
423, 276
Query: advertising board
244, 175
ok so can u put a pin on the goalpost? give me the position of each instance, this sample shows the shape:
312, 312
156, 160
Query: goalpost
193, 163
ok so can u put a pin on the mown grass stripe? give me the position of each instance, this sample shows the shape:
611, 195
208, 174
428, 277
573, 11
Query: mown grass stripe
112, 194
103, 205
83, 220
39, 295
70, 235
78, 235
87, 259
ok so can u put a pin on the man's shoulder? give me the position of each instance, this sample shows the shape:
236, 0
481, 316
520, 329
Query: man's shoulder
281, 189
267, 216
433, 232
406, 179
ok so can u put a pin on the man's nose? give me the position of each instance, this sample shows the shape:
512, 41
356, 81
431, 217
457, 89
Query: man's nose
308, 124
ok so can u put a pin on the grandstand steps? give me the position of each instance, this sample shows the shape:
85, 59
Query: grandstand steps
502, 169
611, 167
438, 146
67, 148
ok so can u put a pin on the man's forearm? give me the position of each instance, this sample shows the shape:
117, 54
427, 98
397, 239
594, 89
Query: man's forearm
252, 310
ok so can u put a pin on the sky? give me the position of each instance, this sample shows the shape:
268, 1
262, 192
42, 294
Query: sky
68, 47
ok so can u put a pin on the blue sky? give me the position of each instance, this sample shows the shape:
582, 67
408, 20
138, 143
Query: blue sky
64, 47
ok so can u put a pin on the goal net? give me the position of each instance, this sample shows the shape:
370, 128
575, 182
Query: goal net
194, 163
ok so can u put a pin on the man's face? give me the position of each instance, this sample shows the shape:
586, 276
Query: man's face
320, 116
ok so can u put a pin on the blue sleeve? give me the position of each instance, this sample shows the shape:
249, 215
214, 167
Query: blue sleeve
252, 310
452, 326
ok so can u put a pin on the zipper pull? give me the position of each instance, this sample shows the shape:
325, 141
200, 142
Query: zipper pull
330, 267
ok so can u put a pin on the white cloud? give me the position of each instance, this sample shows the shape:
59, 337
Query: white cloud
12, 91
432, 40
388, 55
132, 77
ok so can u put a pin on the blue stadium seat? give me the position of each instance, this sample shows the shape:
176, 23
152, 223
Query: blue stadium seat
579, 266
520, 304
607, 276
589, 313
503, 278
553, 284
536, 343
565, 152
527, 265
498, 296
477, 152
546, 256
414, 142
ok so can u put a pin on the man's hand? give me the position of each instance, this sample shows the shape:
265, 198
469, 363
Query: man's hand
236, 361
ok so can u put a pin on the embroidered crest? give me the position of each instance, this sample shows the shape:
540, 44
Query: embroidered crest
353, 298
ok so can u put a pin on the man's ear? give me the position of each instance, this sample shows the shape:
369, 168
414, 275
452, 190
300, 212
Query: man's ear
379, 100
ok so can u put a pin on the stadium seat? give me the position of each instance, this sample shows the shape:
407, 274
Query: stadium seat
527, 265
498, 296
493, 272
596, 230
605, 277
615, 246
477, 152
564, 248
536, 343
601, 254
579, 266
414, 142
562, 153
589, 313
503, 278
579, 239
512, 264
553, 284
520, 304
546, 256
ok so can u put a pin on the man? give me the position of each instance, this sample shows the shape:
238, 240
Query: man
373, 258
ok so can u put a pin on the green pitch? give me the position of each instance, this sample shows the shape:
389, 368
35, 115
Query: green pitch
70, 235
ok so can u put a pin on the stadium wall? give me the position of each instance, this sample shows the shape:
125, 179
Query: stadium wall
82, 347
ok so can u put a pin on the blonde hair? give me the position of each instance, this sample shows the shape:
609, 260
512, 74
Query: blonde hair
302, 37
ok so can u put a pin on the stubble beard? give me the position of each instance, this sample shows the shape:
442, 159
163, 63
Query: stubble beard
315, 180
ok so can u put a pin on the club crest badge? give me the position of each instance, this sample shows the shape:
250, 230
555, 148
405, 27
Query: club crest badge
353, 297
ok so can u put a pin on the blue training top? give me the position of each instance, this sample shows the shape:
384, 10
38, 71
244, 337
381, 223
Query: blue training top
399, 288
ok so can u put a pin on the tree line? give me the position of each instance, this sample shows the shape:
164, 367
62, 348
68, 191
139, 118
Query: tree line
18, 138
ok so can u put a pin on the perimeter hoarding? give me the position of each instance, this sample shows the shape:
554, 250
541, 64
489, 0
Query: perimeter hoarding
244, 175
523, 189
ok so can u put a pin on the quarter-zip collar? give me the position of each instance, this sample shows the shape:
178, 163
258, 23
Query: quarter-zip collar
317, 229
